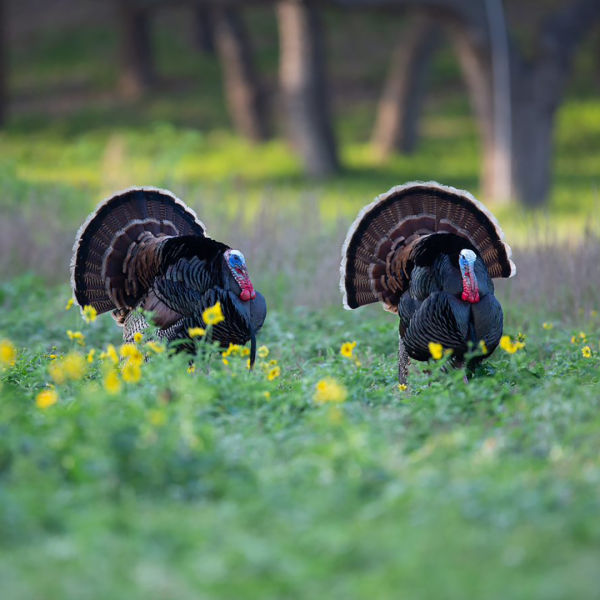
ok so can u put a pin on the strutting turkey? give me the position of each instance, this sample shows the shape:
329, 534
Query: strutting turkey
145, 249
429, 252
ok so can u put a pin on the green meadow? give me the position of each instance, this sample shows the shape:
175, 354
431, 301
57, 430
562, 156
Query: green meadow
314, 475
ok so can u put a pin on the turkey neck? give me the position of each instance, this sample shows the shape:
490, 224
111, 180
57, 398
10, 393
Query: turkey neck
448, 277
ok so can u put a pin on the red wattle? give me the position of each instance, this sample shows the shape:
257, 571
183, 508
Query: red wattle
248, 293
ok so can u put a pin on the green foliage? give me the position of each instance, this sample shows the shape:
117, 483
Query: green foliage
224, 483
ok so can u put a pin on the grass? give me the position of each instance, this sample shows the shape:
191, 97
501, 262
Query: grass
223, 483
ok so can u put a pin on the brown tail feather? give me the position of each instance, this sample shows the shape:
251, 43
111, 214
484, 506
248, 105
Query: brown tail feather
379, 242
110, 235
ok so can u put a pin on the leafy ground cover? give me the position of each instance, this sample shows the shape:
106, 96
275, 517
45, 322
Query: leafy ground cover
314, 475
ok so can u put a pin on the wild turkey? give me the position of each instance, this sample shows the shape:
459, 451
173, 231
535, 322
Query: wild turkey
144, 248
429, 252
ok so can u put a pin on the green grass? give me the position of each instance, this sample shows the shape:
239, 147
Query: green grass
199, 485
223, 484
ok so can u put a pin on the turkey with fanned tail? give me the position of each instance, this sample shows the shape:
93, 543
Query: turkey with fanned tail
429, 252
143, 248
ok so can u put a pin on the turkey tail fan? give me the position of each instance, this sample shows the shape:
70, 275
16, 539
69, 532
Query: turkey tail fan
373, 264
105, 242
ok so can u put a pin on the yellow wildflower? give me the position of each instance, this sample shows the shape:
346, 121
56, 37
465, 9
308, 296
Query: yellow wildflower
131, 372
112, 383
436, 350
90, 355
69, 304
74, 365
262, 352
582, 335
274, 373
132, 354
213, 315
76, 336
402, 387
111, 354
225, 361
329, 390
46, 398
89, 313
233, 349
138, 336
483, 346
192, 368
547, 326
245, 351
8, 353
267, 395
155, 347
57, 372
509, 346
272, 362
347, 348
586, 351
574, 339
196, 332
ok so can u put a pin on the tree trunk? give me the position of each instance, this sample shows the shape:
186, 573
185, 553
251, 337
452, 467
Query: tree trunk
204, 39
3, 69
245, 97
303, 86
538, 89
137, 65
474, 54
397, 123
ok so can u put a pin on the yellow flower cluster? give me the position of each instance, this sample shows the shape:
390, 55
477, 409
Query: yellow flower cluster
262, 352
112, 383
72, 366
586, 352
46, 398
138, 336
111, 354
213, 315
155, 347
8, 353
76, 336
347, 349
196, 332
274, 373
436, 350
89, 313
329, 390
580, 338
509, 346
131, 371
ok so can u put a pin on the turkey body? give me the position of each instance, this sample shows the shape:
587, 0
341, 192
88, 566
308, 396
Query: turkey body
432, 310
144, 251
428, 252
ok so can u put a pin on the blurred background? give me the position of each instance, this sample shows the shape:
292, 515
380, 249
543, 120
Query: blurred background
278, 121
